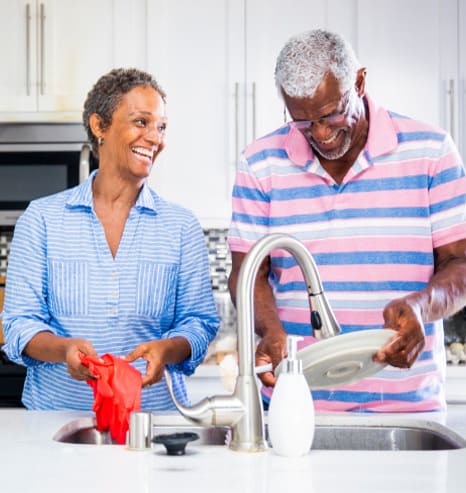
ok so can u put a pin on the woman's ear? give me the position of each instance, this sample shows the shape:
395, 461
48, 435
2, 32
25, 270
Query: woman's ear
95, 123
360, 84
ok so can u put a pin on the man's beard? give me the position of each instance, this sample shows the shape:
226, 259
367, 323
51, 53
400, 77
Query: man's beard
335, 153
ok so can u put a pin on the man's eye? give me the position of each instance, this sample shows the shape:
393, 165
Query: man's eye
162, 128
141, 122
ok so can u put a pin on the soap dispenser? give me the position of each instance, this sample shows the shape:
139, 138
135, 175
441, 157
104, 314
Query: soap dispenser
291, 412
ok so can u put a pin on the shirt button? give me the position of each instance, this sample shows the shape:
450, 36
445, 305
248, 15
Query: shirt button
114, 293
114, 276
113, 311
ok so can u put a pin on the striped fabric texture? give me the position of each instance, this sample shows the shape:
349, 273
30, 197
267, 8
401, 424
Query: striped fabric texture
63, 278
372, 238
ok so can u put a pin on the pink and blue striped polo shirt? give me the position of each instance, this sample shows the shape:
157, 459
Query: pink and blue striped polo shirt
372, 238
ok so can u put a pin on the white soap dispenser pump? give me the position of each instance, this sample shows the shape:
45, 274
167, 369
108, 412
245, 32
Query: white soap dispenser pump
291, 418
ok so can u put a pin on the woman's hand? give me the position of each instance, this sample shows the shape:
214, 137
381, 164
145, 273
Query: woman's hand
403, 350
74, 347
158, 354
45, 346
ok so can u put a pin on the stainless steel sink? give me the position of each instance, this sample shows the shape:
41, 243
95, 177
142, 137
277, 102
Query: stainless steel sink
384, 438
83, 431
431, 436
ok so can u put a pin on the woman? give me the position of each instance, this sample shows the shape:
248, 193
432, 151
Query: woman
109, 266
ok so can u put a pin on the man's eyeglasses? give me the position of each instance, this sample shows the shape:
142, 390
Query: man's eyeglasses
335, 118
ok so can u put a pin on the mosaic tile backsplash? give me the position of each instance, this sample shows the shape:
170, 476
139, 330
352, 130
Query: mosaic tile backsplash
220, 268
219, 257
5, 240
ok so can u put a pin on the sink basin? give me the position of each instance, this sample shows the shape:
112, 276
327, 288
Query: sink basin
384, 438
431, 436
83, 431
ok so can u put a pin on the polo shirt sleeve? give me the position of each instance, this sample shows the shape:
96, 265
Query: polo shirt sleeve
196, 316
25, 310
447, 194
250, 205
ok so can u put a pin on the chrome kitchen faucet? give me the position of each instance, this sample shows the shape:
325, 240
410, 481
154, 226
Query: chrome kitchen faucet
242, 410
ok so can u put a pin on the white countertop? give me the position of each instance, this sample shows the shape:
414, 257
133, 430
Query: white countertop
31, 461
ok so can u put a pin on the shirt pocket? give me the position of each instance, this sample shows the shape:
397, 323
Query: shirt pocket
68, 288
156, 288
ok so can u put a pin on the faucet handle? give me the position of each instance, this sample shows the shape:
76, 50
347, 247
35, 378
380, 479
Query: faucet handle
324, 318
316, 321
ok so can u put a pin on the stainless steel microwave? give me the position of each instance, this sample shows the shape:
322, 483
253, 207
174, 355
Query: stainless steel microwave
38, 159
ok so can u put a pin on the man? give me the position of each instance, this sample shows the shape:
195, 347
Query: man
379, 201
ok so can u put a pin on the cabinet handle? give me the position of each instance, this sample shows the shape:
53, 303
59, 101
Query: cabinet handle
254, 114
451, 108
28, 49
236, 124
42, 49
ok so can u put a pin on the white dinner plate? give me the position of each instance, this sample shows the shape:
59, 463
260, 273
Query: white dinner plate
342, 359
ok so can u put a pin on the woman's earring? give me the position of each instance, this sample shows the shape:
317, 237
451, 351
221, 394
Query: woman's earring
100, 140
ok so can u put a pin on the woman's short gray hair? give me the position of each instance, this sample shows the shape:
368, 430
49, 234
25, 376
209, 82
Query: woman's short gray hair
306, 58
106, 95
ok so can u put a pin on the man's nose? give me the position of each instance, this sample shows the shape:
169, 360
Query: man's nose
321, 130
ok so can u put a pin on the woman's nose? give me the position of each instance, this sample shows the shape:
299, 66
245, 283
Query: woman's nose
154, 134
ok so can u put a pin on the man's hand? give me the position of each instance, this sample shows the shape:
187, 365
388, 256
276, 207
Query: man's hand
403, 350
271, 349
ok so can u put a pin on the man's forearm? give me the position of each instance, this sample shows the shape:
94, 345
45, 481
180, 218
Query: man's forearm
266, 317
445, 294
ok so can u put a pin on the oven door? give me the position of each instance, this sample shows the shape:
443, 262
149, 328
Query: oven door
39, 159
11, 375
27, 175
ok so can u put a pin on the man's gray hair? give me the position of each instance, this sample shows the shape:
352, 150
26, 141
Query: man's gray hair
306, 58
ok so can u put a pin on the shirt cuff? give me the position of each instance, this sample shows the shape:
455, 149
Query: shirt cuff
199, 344
18, 339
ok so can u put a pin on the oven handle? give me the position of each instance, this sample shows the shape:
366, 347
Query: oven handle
84, 163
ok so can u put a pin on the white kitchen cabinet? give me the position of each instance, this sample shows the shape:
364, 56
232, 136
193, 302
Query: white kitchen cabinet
189, 47
461, 76
268, 25
413, 52
54, 50
216, 60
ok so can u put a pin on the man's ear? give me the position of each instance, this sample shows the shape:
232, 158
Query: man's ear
360, 84
95, 123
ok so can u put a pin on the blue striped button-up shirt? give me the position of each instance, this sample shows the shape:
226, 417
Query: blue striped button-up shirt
63, 278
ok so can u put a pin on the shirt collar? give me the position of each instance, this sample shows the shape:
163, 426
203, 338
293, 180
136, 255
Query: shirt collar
381, 139
81, 196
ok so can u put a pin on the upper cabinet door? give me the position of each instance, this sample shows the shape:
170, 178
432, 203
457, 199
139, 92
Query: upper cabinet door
462, 76
407, 47
190, 46
54, 50
75, 47
17, 42
269, 24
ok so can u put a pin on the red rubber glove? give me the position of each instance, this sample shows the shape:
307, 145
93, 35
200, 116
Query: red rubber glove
117, 392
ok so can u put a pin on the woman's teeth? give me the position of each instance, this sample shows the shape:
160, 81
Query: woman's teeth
143, 152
